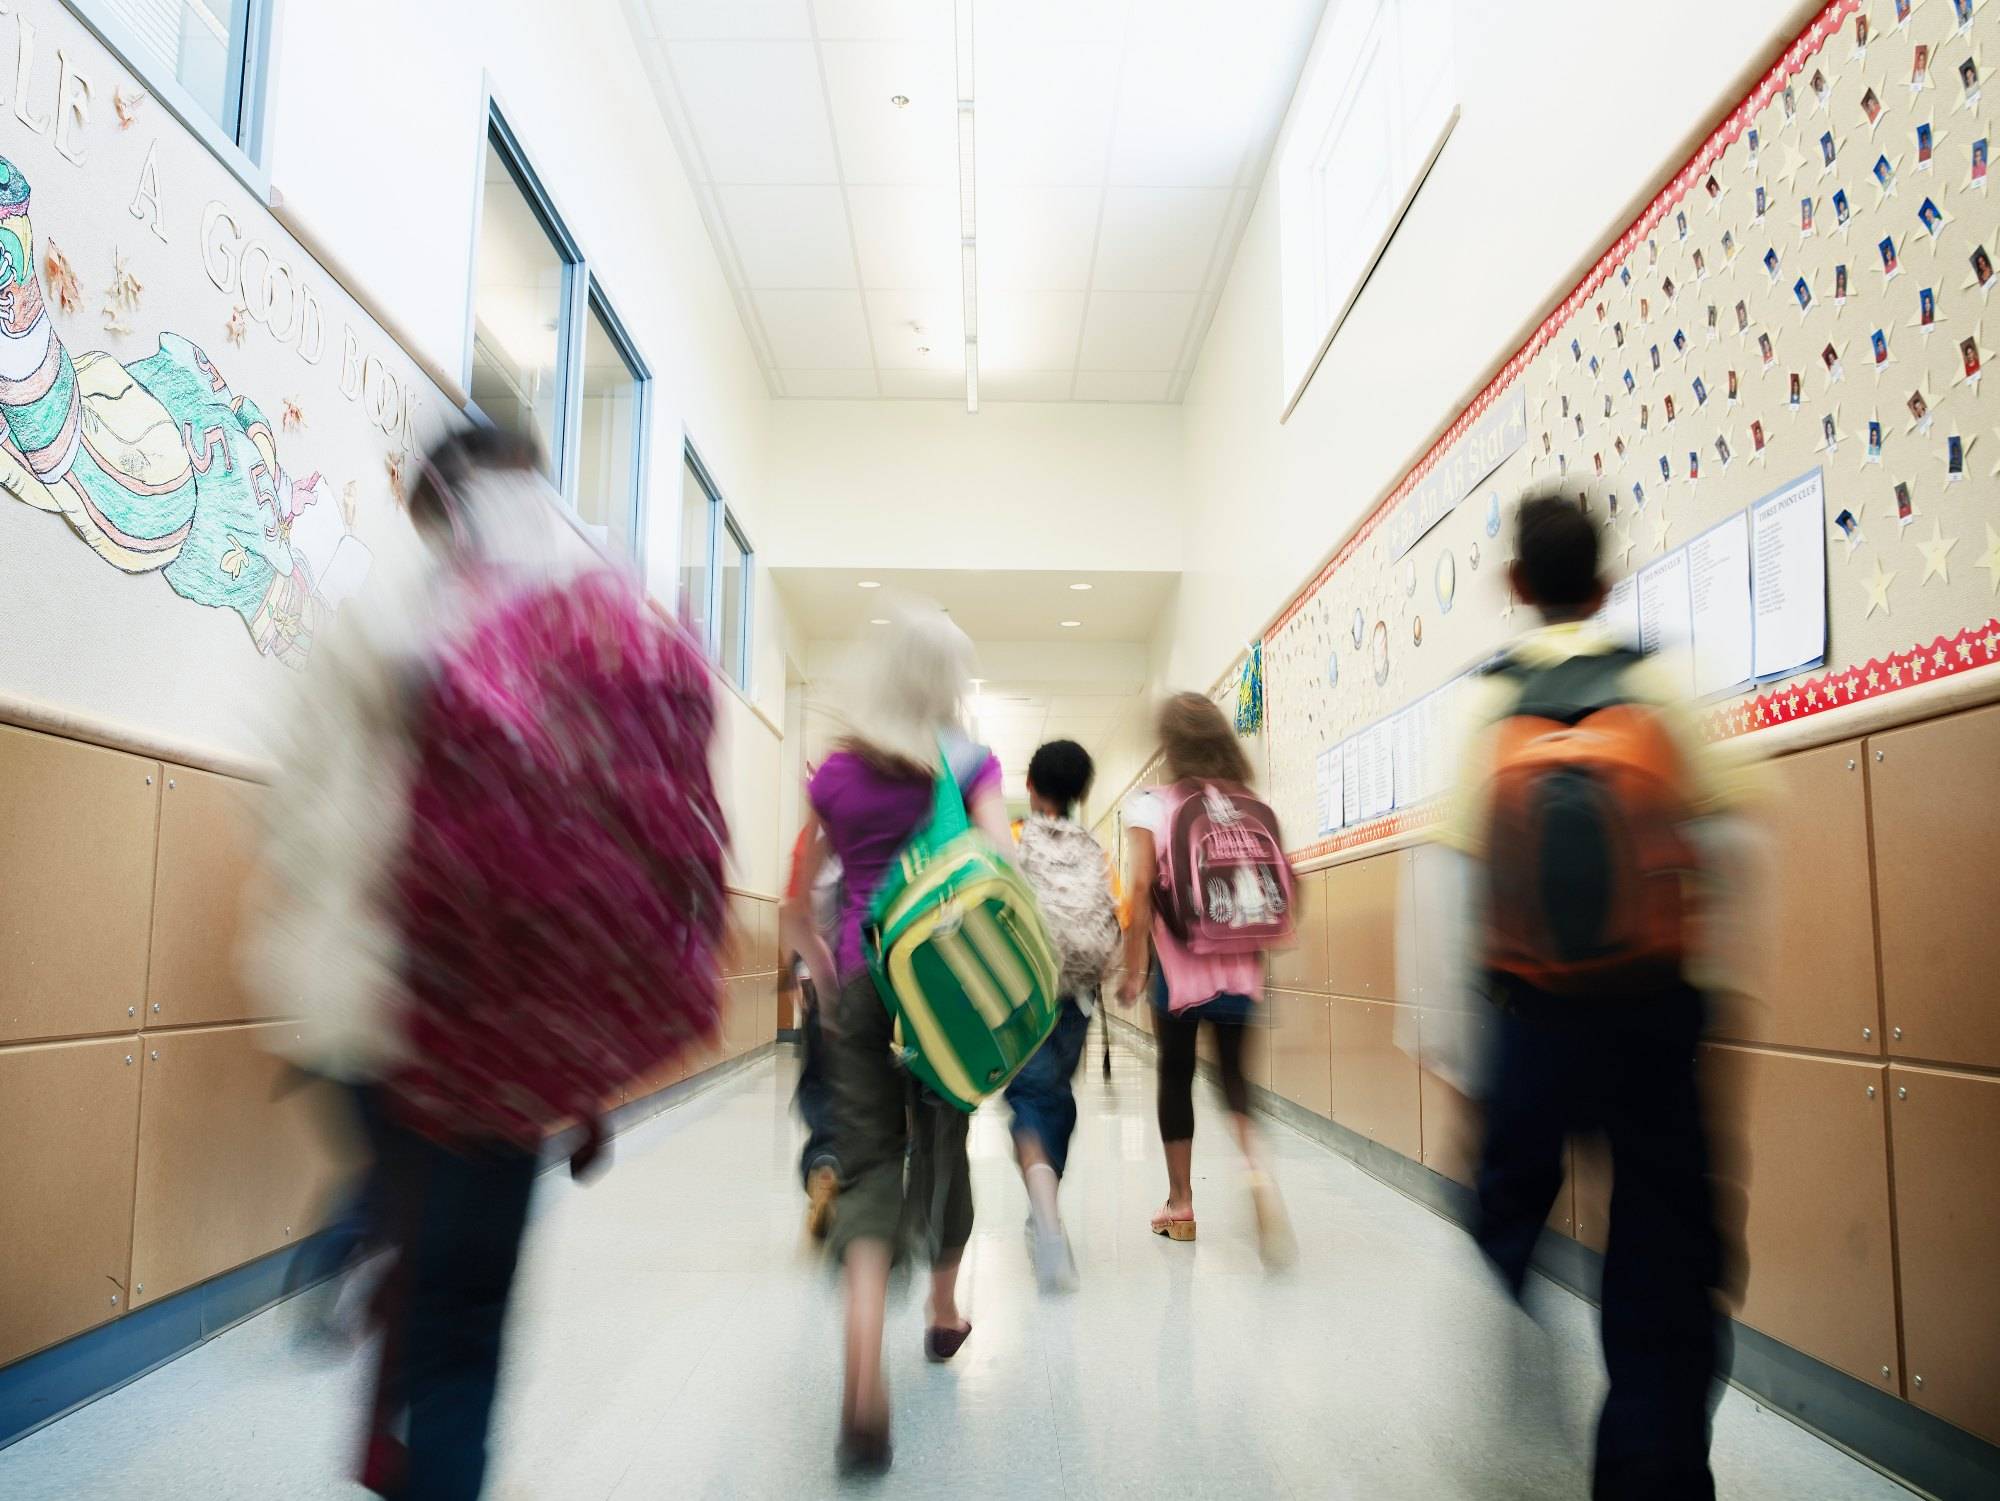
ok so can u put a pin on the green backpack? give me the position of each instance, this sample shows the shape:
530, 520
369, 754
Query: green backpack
961, 957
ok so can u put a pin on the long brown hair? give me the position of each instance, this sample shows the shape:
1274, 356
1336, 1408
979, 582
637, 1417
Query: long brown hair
1199, 743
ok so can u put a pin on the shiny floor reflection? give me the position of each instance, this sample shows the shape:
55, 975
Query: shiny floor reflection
672, 1339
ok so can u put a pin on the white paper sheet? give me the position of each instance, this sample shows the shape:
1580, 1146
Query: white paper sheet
1332, 805
1788, 554
1407, 780
1666, 615
1350, 781
1719, 606
1378, 771
1618, 616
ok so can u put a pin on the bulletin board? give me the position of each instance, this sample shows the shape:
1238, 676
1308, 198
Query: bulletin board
186, 394
1795, 330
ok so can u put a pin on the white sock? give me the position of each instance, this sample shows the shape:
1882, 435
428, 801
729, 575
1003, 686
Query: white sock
1042, 1183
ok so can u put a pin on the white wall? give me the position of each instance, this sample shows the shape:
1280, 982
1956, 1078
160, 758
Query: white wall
1573, 112
926, 484
376, 142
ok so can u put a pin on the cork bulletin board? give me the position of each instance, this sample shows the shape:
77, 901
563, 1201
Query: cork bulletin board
1808, 297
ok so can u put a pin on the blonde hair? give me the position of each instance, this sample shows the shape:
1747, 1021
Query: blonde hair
1199, 743
910, 693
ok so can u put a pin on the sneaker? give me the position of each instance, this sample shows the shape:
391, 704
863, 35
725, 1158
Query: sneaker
1055, 1263
822, 1188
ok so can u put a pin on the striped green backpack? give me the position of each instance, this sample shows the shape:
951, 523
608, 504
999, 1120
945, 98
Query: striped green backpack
961, 957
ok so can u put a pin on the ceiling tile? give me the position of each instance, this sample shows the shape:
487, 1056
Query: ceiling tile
814, 330
683, 20
758, 111
939, 318
1159, 239
907, 237
1111, 706
1029, 330
934, 385
1043, 111
1123, 385
830, 385
789, 237
1050, 20
1022, 385
1036, 239
880, 143
884, 20
1135, 330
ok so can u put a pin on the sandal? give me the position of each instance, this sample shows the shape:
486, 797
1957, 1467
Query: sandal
863, 1450
1174, 1226
1279, 1247
940, 1343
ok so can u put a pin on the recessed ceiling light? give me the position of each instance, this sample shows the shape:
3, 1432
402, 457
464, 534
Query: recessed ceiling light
870, 584
880, 620
901, 101
1070, 625
1082, 588
923, 349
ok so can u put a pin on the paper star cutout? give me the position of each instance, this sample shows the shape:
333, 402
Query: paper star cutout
1661, 526
1877, 588
1624, 548
1990, 561
1937, 552
1793, 162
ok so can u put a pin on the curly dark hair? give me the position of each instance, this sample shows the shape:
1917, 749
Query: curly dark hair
1061, 771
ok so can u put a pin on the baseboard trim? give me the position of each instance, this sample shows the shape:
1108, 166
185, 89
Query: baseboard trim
1925, 1453
51, 1384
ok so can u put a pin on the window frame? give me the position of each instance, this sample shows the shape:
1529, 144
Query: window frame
720, 518
582, 294
238, 143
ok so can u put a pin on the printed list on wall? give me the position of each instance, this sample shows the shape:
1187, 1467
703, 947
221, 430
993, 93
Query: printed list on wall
1769, 395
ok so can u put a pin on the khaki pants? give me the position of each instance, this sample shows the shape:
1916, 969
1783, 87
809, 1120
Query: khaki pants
904, 1177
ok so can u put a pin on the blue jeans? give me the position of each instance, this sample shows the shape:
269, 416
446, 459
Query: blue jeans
1042, 1095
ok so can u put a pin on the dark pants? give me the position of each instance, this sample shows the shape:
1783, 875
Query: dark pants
1625, 1068
1043, 1095
1176, 1034
814, 1094
464, 1215
903, 1174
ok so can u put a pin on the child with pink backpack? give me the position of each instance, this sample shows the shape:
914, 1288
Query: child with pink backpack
1212, 890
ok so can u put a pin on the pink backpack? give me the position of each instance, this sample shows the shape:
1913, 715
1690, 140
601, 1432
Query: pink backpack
1224, 884
560, 889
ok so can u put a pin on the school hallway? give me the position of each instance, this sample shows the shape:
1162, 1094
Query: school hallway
672, 1338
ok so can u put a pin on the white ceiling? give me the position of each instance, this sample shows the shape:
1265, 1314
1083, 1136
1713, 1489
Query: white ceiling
1119, 147
829, 604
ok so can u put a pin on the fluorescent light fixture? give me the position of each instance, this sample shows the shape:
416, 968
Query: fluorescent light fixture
1083, 588
1070, 625
968, 263
869, 584
968, 208
972, 375
968, 203
880, 620
963, 17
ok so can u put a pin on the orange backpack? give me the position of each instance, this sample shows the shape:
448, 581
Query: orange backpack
1586, 857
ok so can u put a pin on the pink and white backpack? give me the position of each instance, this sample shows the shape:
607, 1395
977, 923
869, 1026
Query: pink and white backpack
1224, 884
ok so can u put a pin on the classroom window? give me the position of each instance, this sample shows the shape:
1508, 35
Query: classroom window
1373, 111
521, 306
203, 58
716, 573
609, 448
732, 567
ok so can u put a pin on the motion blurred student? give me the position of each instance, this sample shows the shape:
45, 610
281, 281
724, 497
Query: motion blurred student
1208, 926
1072, 881
1580, 790
871, 796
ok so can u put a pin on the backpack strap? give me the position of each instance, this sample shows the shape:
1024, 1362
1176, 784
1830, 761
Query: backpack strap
1571, 690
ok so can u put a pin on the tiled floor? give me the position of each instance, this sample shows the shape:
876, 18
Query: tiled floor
672, 1340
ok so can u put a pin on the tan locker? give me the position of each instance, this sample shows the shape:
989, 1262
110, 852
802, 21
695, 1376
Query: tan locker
236, 1156
69, 1114
1257, 1049
1451, 1129
1361, 926
1374, 1083
1590, 1174
208, 844
1946, 1130
1302, 967
1301, 1052
76, 863
1817, 1231
1935, 793
1816, 987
